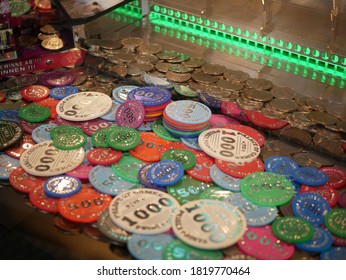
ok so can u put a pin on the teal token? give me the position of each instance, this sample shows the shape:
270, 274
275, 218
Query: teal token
185, 157
215, 193
188, 189
161, 131
127, 167
70, 141
292, 229
185, 91
34, 113
335, 221
178, 250
267, 189
123, 138
99, 138
64, 129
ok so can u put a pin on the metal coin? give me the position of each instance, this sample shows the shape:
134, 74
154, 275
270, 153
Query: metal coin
201, 77
283, 92
316, 104
331, 147
236, 76
53, 43
178, 68
165, 55
322, 118
297, 135
258, 95
50, 29
43, 36
132, 42
320, 159
336, 109
125, 57
180, 58
162, 66
261, 84
303, 159
249, 105
341, 125
147, 58
179, 78
229, 85
213, 69
148, 48
194, 62
144, 66
283, 105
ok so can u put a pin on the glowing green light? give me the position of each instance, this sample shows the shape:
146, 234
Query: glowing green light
335, 58
238, 31
246, 33
253, 57
163, 10
323, 78
214, 24
230, 29
177, 14
270, 62
170, 12
280, 43
192, 18
305, 73
271, 40
199, 20
236, 52
325, 55
289, 45
261, 60
263, 39
332, 81
206, 22
297, 48
222, 27
254, 36
313, 75
185, 37
315, 53
156, 8
306, 50
185, 16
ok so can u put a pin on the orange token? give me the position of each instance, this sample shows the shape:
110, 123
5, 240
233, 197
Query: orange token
24, 144
41, 201
149, 148
84, 206
24, 182
51, 104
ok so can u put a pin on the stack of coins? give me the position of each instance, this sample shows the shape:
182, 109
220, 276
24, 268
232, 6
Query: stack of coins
50, 37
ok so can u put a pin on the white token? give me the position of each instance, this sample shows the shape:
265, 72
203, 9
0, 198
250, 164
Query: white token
209, 224
229, 145
43, 159
143, 211
84, 106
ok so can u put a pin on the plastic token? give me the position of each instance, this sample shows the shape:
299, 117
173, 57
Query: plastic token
178, 250
321, 241
127, 167
311, 207
338, 241
280, 165
254, 133
41, 201
215, 193
161, 131
103, 156
292, 229
57, 78
185, 91
226, 224
261, 243
10, 115
60, 93
186, 158
210, 101
191, 143
334, 253
267, 189
342, 199
144, 179
99, 138
264, 121
42, 133
59, 121
70, 141
310, 176
50, 103
62, 186
335, 221
327, 192
44, 159
105, 181
201, 170
224, 180
11, 133
255, 215
123, 138
7, 165
150, 96
34, 113
148, 247
143, 211
336, 177
131, 113
220, 121
165, 173
232, 109
120, 93
90, 127
16, 151
229, 145
2, 96
81, 172
234, 253
84, 106
56, 131
24, 182
111, 114
145, 127
84, 206
34, 92
240, 170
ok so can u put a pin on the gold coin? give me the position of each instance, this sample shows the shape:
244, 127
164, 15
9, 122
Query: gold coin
213, 69
179, 78
53, 43
43, 36
180, 58
144, 66
341, 125
303, 160
178, 68
149, 48
50, 29
336, 109
283, 105
162, 66
283, 92
296, 135
147, 58
201, 77
249, 105
229, 85
316, 104
258, 95
261, 84
236, 75
322, 118
165, 55
194, 62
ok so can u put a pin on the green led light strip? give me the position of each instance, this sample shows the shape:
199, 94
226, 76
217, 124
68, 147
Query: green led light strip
131, 9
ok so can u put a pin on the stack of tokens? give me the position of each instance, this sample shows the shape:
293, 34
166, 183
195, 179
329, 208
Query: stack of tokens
153, 99
186, 118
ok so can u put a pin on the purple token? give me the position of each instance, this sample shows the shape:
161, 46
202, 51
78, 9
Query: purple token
90, 127
219, 121
81, 172
338, 241
342, 199
57, 78
131, 114
144, 179
59, 121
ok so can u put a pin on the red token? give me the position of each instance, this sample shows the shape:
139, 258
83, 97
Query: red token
24, 182
336, 177
81, 172
157, 108
220, 121
23, 145
84, 206
39, 199
253, 133
264, 121
149, 148
344, 146
342, 199
232, 109
103, 156
34, 92
327, 192
51, 104
90, 127
338, 241
201, 170
2, 97
240, 170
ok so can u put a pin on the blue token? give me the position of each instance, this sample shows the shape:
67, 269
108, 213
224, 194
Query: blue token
10, 115
62, 186
146, 126
310, 176
255, 215
42, 133
150, 96
321, 241
224, 180
7, 165
110, 115
311, 207
144, 179
191, 143
295, 185
120, 93
334, 253
148, 247
105, 181
62, 92
165, 173
280, 165
208, 100
87, 148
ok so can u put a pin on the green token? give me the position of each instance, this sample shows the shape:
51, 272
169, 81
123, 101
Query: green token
99, 138
64, 129
19, 8
69, 141
335, 221
161, 131
185, 91
267, 189
127, 167
178, 250
215, 193
292, 229
34, 113
123, 138
185, 157
188, 189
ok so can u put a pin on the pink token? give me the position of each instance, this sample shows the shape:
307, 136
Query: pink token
218, 120
59, 121
90, 127
131, 114
232, 109
327, 192
81, 172
261, 243
336, 177
338, 241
